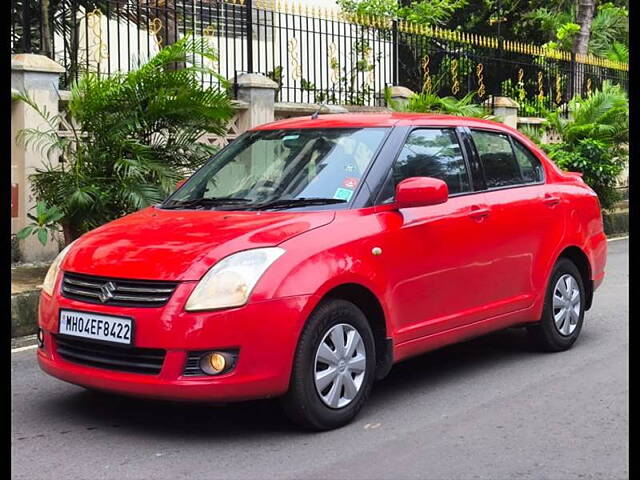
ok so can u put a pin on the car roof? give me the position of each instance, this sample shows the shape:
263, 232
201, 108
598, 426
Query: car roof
384, 119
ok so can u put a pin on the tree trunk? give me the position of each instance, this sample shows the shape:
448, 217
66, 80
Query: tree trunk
584, 17
70, 232
47, 48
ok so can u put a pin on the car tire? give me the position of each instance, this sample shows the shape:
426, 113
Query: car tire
308, 401
553, 333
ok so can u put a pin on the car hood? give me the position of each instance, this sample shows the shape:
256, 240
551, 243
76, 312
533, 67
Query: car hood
180, 245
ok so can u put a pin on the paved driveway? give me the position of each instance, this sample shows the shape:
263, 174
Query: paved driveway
491, 408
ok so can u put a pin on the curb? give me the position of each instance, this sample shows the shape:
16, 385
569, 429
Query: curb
20, 344
24, 313
616, 223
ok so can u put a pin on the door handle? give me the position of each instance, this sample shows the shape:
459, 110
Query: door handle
479, 213
551, 200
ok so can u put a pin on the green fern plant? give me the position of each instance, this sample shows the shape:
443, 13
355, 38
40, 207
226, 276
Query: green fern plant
534, 133
429, 102
133, 136
604, 115
618, 52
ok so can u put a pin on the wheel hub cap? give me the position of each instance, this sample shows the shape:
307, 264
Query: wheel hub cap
566, 304
340, 366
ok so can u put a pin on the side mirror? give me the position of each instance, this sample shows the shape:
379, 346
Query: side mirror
420, 192
180, 183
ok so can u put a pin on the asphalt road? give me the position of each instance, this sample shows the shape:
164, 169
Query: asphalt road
491, 408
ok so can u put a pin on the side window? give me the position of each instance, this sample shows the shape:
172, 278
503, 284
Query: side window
529, 164
433, 153
500, 166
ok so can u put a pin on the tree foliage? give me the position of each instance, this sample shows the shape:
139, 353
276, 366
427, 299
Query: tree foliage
558, 28
134, 135
538, 21
427, 12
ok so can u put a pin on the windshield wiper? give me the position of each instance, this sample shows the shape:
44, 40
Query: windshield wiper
204, 202
296, 202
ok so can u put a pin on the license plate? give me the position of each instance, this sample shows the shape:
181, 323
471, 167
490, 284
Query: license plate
96, 327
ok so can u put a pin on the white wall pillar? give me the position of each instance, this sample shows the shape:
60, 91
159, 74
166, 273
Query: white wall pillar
259, 92
506, 109
400, 95
38, 76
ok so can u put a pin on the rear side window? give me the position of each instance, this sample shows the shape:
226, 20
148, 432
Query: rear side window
501, 168
433, 153
529, 164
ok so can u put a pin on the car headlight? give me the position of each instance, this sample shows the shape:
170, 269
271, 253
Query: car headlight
230, 282
52, 274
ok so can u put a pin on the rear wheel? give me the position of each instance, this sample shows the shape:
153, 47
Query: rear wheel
333, 368
563, 312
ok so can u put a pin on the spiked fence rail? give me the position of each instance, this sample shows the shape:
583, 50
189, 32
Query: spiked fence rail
315, 54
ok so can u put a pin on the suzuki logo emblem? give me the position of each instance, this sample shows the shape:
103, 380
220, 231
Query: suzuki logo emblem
106, 291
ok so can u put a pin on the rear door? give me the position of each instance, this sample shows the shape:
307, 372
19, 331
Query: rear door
526, 219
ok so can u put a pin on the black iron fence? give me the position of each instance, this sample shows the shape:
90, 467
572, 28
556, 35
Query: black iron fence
313, 54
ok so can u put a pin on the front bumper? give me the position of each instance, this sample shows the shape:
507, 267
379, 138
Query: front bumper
265, 333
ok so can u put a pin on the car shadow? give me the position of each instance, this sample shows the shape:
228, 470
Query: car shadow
96, 410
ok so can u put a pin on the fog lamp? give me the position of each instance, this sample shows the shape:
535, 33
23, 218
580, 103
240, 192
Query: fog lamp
214, 363
40, 337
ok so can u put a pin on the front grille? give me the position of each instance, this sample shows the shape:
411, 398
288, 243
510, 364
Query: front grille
111, 291
111, 357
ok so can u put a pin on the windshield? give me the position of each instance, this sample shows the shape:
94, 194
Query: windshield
282, 169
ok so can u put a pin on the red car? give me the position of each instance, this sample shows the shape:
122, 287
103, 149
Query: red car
311, 254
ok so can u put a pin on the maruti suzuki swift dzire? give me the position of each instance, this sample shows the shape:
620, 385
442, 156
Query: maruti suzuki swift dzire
311, 254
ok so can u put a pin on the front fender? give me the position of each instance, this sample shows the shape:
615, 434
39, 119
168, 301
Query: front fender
319, 261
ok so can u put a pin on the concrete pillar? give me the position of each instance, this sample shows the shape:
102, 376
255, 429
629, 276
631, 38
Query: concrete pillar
260, 93
400, 95
506, 109
38, 76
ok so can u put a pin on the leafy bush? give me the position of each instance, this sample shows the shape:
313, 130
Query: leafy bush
429, 102
134, 135
593, 158
43, 223
594, 138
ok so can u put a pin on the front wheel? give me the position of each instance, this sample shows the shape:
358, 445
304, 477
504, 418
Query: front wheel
333, 367
563, 311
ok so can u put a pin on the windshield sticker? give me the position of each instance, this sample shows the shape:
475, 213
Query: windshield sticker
350, 168
350, 182
290, 137
343, 194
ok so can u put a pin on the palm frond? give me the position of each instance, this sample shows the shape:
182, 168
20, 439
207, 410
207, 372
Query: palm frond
140, 133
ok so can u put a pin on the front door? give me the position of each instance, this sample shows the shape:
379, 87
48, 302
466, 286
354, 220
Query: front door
438, 258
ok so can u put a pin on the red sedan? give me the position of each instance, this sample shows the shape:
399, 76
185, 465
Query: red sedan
311, 254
